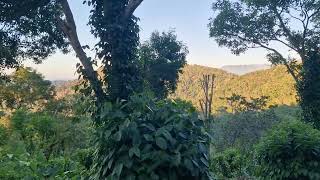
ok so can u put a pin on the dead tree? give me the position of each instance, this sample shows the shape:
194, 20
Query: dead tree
207, 85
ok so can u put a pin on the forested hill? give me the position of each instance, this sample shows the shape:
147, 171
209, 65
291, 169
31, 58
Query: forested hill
275, 83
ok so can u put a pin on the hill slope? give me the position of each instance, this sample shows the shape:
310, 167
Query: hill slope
275, 83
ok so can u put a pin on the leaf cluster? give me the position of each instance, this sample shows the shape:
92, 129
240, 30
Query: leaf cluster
291, 150
145, 139
28, 31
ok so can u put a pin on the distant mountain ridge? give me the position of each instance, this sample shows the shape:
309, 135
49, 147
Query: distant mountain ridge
245, 69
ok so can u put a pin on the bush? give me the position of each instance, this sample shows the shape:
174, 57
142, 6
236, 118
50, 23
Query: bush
3, 135
290, 150
24, 166
143, 139
241, 130
228, 164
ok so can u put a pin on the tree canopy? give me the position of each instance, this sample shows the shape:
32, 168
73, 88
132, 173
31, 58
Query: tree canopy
162, 58
245, 24
25, 89
293, 24
28, 30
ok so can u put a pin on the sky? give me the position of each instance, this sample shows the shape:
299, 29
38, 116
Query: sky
189, 18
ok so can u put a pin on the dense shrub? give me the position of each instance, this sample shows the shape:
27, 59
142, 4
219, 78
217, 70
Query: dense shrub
290, 150
144, 139
229, 164
45, 145
241, 130
3, 135
24, 166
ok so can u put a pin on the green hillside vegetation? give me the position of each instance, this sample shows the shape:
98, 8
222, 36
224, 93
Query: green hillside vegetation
138, 117
274, 83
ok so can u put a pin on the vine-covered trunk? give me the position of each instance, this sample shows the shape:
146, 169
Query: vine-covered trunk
124, 77
309, 88
119, 39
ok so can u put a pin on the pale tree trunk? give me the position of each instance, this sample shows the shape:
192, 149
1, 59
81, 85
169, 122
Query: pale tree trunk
207, 85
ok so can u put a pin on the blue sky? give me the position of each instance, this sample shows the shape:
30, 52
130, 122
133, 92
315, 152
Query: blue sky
189, 18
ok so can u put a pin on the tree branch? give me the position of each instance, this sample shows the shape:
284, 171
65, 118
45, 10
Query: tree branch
285, 43
130, 8
284, 27
284, 61
290, 70
68, 26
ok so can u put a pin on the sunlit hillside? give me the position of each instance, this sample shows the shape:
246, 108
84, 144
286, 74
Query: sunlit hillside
275, 83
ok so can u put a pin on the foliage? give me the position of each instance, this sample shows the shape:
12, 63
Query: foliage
48, 144
239, 103
26, 89
290, 150
309, 90
28, 30
24, 166
274, 83
3, 135
243, 24
162, 53
241, 130
144, 139
55, 135
117, 47
228, 164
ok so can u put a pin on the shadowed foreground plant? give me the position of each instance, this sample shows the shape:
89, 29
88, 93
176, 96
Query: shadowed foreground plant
143, 139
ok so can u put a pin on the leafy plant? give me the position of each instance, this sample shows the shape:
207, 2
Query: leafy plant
162, 53
293, 24
240, 103
143, 139
26, 89
241, 130
229, 164
291, 150
3, 135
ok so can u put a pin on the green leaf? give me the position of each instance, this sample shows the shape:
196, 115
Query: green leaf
107, 134
188, 164
161, 143
134, 151
118, 169
117, 136
148, 137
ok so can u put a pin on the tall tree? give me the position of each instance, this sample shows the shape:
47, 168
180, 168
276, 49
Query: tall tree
36, 29
114, 24
25, 89
116, 27
272, 25
162, 57
309, 89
